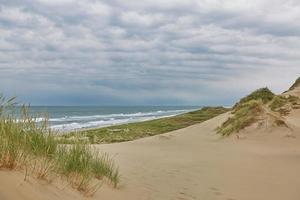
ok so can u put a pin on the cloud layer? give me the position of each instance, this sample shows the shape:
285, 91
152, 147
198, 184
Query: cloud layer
147, 51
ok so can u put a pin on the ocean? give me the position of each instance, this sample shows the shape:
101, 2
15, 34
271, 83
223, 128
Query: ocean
68, 118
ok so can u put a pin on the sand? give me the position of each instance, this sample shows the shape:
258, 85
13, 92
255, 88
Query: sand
191, 163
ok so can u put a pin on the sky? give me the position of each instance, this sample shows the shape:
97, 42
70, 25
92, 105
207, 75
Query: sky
146, 52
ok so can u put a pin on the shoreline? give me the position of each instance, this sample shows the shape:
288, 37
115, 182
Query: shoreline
146, 120
136, 130
82, 121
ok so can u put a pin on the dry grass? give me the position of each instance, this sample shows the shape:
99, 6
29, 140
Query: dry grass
251, 108
263, 94
245, 115
284, 104
246, 112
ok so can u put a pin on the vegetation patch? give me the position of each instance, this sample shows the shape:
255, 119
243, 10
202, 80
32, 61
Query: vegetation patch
284, 104
32, 147
246, 114
247, 111
132, 131
277, 103
251, 108
263, 94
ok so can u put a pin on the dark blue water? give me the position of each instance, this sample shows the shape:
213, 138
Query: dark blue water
66, 118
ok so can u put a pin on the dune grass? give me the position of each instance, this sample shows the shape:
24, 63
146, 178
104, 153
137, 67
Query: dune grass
284, 104
32, 147
132, 131
263, 94
278, 102
246, 114
246, 111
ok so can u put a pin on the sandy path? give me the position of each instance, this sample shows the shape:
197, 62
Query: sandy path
192, 163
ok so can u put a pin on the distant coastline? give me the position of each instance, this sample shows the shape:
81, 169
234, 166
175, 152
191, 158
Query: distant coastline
70, 118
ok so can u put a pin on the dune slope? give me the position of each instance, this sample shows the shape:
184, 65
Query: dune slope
191, 163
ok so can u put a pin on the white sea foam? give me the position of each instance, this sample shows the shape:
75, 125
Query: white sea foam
100, 123
113, 116
77, 121
69, 123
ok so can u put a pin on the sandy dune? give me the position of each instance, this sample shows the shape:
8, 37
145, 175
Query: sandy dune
192, 163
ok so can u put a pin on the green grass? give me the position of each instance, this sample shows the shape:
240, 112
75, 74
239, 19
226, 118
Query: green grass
32, 147
246, 111
263, 94
283, 105
278, 102
245, 115
132, 131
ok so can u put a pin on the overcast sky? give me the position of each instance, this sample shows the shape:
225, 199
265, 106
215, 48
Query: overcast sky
146, 52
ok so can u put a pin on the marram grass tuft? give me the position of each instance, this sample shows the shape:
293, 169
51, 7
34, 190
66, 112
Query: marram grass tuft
32, 147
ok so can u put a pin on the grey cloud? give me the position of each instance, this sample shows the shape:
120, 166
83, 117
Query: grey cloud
144, 52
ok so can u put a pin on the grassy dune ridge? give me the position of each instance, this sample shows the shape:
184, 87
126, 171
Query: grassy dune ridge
131, 131
244, 115
32, 147
260, 105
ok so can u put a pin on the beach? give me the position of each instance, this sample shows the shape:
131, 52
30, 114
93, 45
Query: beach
191, 163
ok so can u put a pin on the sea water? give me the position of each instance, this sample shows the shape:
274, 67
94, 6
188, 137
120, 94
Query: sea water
68, 118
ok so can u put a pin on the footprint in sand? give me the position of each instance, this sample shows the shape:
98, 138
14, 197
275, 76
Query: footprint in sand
166, 137
184, 196
216, 191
